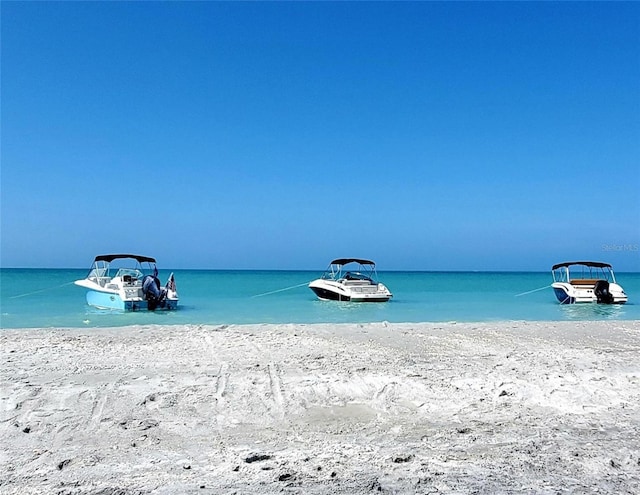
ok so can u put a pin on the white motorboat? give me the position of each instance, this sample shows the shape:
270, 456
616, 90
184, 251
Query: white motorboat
586, 282
350, 279
128, 282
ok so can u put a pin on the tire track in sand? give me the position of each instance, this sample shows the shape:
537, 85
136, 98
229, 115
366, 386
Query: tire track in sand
99, 402
221, 383
276, 391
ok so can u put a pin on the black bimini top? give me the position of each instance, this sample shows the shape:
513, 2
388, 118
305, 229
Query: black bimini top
110, 257
594, 264
344, 261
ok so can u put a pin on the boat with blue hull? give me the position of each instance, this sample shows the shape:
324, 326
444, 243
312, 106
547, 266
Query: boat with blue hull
128, 282
586, 282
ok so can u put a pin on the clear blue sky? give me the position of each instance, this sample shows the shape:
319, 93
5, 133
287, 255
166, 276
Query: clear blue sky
427, 136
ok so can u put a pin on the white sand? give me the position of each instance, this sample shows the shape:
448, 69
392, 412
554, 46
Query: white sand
393, 408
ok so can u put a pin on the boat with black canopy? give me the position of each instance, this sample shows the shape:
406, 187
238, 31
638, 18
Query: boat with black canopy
350, 279
128, 282
586, 282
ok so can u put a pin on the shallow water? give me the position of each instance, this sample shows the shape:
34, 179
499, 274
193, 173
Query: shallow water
47, 298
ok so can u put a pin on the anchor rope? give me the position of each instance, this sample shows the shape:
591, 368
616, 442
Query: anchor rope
40, 290
280, 290
532, 291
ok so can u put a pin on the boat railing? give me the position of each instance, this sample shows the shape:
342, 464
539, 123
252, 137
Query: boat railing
357, 281
365, 289
584, 276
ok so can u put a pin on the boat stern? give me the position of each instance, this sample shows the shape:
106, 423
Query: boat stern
585, 291
371, 293
618, 294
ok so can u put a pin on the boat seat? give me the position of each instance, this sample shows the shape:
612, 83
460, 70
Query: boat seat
584, 281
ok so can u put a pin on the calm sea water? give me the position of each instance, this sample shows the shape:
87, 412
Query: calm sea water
47, 298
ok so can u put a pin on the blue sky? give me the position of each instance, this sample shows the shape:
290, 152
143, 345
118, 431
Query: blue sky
426, 136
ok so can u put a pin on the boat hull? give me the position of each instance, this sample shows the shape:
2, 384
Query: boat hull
111, 300
569, 294
333, 291
562, 296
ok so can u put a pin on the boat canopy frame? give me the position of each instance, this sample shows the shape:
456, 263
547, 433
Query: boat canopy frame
366, 270
101, 266
111, 257
590, 270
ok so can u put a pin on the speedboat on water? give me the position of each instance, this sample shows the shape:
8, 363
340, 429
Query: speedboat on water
350, 279
586, 282
128, 282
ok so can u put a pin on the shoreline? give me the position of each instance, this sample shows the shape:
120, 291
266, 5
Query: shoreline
386, 323
494, 407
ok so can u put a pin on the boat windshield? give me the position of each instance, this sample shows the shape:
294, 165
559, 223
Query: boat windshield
99, 269
129, 267
131, 273
357, 276
350, 271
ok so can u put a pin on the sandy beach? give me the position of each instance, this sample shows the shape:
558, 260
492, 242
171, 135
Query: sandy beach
513, 407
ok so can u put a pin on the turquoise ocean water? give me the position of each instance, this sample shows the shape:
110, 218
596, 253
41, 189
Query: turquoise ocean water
47, 298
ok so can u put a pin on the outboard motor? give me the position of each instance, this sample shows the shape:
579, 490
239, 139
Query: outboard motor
153, 294
601, 290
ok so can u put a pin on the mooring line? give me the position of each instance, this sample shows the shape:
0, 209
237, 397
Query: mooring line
280, 290
41, 290
534, 290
